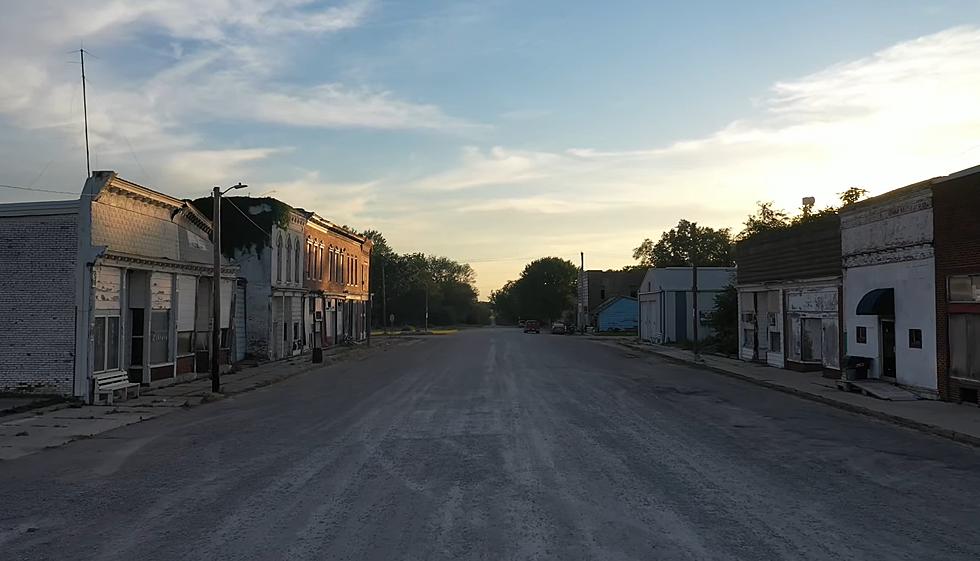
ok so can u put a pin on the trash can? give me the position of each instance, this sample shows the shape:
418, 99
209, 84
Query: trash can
317, 354
856, 368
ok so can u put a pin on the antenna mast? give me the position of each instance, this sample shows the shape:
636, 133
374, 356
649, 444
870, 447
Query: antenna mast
88, 164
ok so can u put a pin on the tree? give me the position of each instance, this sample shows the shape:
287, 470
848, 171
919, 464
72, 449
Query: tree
765, 219
687, 244
414, 279
545, 291
724, 321
852, 195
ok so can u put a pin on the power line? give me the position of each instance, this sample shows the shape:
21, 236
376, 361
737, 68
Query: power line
38, 189
247, 217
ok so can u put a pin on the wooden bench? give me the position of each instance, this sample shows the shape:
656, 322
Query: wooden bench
107, 383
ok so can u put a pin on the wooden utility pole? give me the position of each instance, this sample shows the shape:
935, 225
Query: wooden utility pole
216, 290
216, 296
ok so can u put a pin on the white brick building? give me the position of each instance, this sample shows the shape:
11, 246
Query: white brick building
116, 281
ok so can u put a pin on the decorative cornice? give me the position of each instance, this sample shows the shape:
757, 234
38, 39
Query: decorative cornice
892, 255
142, 262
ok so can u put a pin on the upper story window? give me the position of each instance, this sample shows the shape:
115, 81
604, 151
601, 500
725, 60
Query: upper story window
309, 258
289, 259
279, 259
299, 257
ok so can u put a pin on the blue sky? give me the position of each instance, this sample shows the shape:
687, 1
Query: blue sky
499, 130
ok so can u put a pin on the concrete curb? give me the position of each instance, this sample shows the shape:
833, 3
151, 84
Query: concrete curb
881, 415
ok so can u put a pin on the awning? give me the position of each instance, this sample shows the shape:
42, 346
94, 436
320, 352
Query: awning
878, 302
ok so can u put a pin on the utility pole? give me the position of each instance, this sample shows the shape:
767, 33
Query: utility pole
88, 163
426, 306
384, 296
695, 256
216, 290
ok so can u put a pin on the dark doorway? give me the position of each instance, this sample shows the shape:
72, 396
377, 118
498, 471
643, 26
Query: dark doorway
888, 348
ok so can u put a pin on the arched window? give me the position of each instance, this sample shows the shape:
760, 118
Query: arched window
299, 259
279, 259
289, 259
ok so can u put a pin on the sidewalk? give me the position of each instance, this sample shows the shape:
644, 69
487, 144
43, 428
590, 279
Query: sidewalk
950, 420
49, 427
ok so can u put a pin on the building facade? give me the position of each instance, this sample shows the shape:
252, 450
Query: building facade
337, 279
789, 287
595, 287
890, 285
956, 206
265, 238
667, 302
133, 272
617, 314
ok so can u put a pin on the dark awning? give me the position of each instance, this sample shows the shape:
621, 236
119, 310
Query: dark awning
878, 302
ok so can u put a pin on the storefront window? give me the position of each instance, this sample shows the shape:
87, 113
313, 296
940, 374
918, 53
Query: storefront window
160, 336
105, 333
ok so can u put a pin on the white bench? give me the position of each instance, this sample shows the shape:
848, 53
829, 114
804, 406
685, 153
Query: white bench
107, 383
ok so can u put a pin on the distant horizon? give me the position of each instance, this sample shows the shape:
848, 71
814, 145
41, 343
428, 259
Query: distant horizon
495, 133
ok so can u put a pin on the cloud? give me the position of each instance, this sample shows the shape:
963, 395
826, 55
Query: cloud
342, 202
218, 62
903, 114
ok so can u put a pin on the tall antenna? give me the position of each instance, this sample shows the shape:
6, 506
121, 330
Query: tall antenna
88, 163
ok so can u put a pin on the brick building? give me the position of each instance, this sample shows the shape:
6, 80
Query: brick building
304, 280
956, 207
337, 270
789, 286
118, 281
596, 287
38, 278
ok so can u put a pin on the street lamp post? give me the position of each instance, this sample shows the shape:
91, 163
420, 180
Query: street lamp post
216, 289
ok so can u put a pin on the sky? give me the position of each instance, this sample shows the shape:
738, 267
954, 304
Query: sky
494, 131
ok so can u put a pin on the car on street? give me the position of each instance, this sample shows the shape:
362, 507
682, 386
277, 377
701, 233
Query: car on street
558, 328
521, 323
532, 326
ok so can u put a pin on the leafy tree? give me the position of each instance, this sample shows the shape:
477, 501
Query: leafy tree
724, 321
765, 219
852, 195
414, 279
685, 244
545, 291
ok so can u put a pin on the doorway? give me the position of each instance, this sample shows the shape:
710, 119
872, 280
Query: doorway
888, 349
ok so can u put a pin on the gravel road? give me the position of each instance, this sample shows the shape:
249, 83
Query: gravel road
491, 444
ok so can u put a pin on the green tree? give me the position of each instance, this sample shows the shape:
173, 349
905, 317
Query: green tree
685, 244
724, 321
852, 195
765, 219
544, 291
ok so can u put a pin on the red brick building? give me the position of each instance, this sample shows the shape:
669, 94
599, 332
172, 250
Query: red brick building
956, 203
338, 292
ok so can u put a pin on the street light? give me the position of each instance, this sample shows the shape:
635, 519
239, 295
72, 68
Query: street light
216, 288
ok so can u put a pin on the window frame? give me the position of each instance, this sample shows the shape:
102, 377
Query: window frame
106, 317
915, 338
861, 334
975, 283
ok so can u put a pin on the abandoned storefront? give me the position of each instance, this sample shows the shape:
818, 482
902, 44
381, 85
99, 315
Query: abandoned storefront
789, 284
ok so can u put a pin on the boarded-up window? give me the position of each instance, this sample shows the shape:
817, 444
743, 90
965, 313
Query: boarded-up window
964, 345
226, 291
186, 302
161, 291
107, 288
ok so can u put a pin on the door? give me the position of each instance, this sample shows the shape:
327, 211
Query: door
888, 348
811, 339
241, 339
